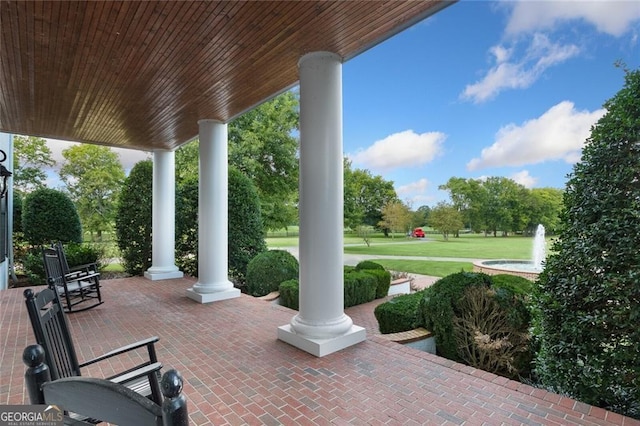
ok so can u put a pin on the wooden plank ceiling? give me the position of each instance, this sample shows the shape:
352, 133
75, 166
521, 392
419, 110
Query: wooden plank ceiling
140, 74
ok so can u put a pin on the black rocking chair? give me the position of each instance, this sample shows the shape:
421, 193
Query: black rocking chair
52, 332
79, 288
88, 399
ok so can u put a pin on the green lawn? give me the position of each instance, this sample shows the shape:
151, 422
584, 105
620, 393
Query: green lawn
434, 268
467, 246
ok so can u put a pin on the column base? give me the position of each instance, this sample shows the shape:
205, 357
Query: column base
156, 275
322, 347
213, 297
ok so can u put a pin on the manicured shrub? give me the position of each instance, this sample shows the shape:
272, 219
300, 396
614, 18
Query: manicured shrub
479, 322
50, 215
486, 334
383, 279
440, 305
289, 294
367, 264
187, 226
516, 284
348, 268
399, 314
267, 270
133, 219
588, 296
34, 267
81, 254
246, 234
359, 287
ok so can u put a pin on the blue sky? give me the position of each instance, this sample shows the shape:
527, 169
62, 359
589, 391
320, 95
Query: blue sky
487, 89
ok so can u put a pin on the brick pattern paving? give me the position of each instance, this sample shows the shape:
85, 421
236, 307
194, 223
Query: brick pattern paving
237, 373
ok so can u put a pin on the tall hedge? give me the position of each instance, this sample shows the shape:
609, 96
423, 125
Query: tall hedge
588, 297
133, 218
49, 215
246, 234
187, 226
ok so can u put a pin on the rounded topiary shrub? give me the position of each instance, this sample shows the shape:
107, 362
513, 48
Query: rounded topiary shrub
399, 314
267, 270
367, 264
289, 294
49, 215
133, 219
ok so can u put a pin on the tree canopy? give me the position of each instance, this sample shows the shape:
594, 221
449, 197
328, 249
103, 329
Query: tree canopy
499, 204
588, 299
93, 175
31, 156
263, 146
364, 196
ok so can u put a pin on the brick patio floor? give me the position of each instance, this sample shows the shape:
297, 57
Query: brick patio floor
236, 371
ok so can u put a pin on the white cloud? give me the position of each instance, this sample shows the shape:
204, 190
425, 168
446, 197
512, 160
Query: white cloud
610, 17
524, 178
558, 134
404, 149
510, 72
419, 187
414, 193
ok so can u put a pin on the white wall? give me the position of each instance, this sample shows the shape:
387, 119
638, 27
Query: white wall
7, 146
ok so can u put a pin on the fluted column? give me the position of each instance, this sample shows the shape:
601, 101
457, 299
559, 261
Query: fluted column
321, 326
163, 222
213, 257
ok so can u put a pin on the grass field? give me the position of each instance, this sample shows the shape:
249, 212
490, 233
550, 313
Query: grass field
467, 246
434, 268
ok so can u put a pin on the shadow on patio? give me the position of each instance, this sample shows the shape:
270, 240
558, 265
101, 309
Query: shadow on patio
236, 371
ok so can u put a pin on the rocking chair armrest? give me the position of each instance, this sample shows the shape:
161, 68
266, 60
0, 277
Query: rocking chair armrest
149, 343
137, 373
80, 275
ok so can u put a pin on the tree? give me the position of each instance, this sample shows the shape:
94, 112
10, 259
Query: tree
364, 196
545, 208
588, 298
93, 175
49, 215
262, 145
421, 216
395, 216
469, 198
31, 156
246, 234
134, 218
445, 218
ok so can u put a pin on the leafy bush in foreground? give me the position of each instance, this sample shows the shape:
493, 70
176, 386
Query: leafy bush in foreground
588, 299
267, 270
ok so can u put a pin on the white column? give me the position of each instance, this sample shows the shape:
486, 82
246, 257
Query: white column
213, 257
321, 326
163, 220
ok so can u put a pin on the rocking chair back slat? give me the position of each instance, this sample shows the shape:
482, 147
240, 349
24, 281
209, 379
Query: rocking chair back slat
52, 332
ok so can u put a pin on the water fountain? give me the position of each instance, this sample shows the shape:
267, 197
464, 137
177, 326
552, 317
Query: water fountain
524, 268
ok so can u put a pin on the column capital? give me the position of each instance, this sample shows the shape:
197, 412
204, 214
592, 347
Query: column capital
210, 120
319, 55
